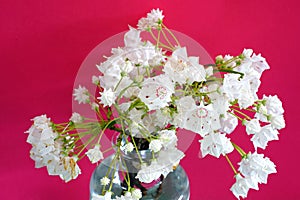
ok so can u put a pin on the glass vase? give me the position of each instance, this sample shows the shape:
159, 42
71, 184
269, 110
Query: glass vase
175, 186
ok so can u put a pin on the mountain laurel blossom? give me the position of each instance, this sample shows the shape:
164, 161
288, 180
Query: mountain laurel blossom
257, 166
94, 154
215, 144
242, 186
107, 97
81, 95
146, 90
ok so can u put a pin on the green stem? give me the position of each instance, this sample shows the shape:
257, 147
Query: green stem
86, 144
106, 150
173, 36
231, 71
249, 109
118, 83
167, 39
231, 165
137, 150
105, 127
158, 39
241, 119
109, 169
124, 90
239, 149
126, 176
160, 43
112, 177
231, 60
241, 113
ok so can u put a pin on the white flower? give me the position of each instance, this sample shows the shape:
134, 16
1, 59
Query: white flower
155, 145
76, 118
227, 58
242, 186
246, 97
247, 53
228, 123
147, 174
254, 83
168, 158
153, 20
104, 181
43, 154
215, 144
130, 91
196, 71
126, 67
266, 134
81, 95
41, 132
200, 119
162, 117
127, 194
107, 97
136, 194
149, 122
136, 124
143, 58
168, 138
128, 147
239, 88
155, 15
132, 38
164, 164
143, 24
252, 126
41, 121
69, 169
46, 148
94, 154
220, 102
111, 74
176, 67
257, 167
273, 105
278, 122
183, 69
184, 106
232, 86
156, 92
209, 71
252, 64
259, 63
53, 165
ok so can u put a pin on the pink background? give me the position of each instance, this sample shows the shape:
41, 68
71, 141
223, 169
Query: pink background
43, 44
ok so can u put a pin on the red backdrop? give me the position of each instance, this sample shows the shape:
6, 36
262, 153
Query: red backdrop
43, 44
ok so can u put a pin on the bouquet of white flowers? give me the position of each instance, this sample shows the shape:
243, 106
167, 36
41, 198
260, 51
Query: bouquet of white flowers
147, 90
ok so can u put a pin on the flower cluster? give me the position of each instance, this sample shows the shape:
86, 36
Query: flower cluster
255, 169
51, 151
150, 89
